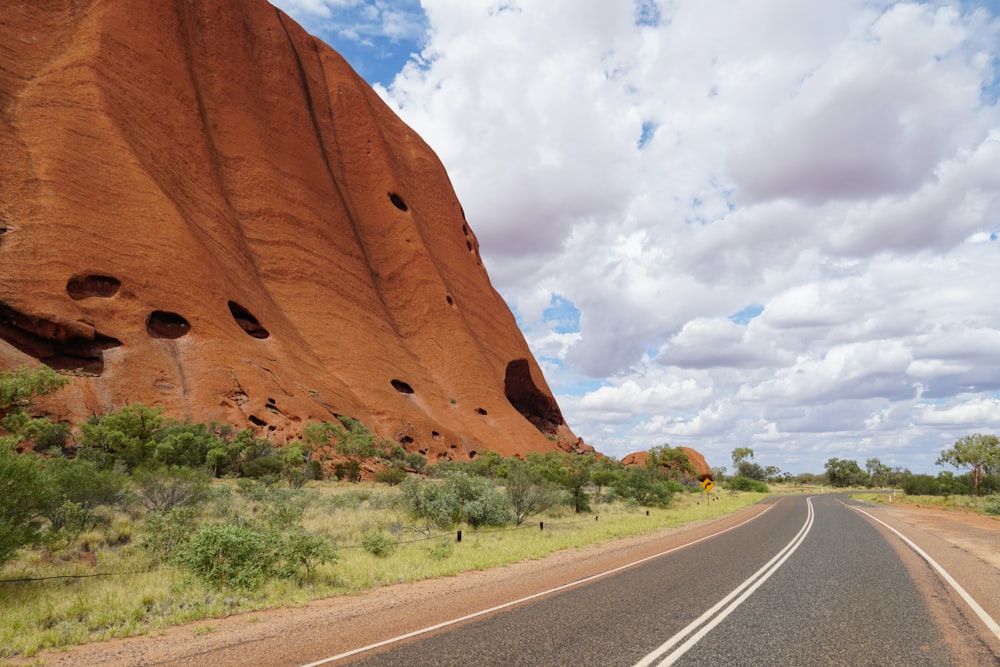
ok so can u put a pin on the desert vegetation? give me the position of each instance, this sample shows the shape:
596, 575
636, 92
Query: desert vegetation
131, 521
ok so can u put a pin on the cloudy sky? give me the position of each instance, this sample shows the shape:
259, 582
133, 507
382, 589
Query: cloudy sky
723, 223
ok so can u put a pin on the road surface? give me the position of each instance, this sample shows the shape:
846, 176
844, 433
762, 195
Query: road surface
810, 581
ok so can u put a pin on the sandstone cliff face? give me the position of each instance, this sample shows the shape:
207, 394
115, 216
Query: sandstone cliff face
204, 208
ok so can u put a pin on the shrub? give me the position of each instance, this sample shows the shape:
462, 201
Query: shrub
746, 484
161, 489
992, 505
645, 487
233, 555
441, 549
21, 482
72, 517
529, 494
165, 532
432, 502
126, 436
490, 507
377, 543
303, 551
184, 444
392, 475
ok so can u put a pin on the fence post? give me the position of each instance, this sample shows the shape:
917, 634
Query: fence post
541, 525
459, 537
597, 518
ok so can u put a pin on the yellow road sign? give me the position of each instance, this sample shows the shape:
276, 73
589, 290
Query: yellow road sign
708, 485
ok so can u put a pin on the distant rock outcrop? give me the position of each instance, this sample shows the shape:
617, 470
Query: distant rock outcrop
204, 208
701, 466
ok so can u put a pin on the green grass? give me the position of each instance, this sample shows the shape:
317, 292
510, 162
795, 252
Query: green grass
147, 596
977, 504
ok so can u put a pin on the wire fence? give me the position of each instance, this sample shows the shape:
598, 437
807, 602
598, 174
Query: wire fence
456, 535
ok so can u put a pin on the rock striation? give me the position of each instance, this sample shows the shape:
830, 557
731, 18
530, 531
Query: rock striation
204, 208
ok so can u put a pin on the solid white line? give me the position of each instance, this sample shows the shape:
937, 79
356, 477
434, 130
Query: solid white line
993, 626
747, 588
599, 575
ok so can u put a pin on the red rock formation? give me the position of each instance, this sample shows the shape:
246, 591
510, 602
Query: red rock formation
204, 208
701, 466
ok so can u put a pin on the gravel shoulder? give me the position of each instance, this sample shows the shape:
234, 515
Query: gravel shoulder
299, 635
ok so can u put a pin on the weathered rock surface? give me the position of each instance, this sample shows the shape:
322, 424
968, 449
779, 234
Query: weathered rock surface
204, 208
701, 466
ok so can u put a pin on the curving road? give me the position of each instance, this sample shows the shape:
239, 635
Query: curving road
810, 581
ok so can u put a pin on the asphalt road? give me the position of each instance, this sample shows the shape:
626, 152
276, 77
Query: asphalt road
809, 582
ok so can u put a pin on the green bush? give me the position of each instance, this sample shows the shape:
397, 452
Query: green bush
433, 502
490, 507
459, 497
302, 551
231, 555
992, 505
21, 504
72, 518
163, 533
126, 436
377, 543
441, 549
746, 484
391, 475
645, 487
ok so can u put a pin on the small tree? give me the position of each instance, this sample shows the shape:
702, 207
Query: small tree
349, 438
529, 494
978, 453
878, 472
162, 488
843, 473
127, 436
22, 499
671, 462
19, 388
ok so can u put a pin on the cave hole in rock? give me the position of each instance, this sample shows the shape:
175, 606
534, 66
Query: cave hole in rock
435, 435
164, 324
271, 401
468, 244
85, 287
406, 440
62, 347
398, 202
465, 229
402, 387
480, 411
473, 454
451, 302
257, 421
534, 405
245, 319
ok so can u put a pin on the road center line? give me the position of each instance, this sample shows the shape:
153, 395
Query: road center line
702, 625
578, 582
991, 624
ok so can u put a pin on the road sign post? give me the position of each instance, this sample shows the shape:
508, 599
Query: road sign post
708, 485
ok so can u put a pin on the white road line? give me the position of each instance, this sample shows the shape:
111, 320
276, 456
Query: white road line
991, 624
599, 575
701, 626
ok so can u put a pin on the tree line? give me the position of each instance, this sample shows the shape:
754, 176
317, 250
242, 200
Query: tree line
978, 454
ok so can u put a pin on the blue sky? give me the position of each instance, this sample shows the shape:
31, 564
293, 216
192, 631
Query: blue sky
772, 226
